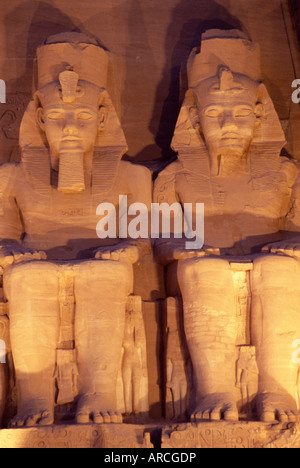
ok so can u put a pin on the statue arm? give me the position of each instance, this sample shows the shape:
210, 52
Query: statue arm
165, 191
140, 187
138, 190
290, 243
11, 225
293, 216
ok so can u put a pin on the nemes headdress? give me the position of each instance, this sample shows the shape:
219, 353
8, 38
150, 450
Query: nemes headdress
65, 60
71, 52
227, 59
224, 49
65, 63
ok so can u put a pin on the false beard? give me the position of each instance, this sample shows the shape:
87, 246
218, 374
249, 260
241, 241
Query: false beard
71, 172
229, 162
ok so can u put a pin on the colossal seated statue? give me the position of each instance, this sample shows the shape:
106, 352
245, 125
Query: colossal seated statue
55, 264
229, 140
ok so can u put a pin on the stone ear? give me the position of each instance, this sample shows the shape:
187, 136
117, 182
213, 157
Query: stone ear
103, 110
194, 116
102, 116
259, 113
187, 132
39, 112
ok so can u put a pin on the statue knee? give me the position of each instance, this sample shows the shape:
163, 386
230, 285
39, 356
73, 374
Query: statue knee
199, 269
26, 274
22, 269
277, 271
93, 273
275, 262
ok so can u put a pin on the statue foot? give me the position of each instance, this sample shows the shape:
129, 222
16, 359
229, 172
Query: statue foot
34, 413
216, 406
276, 407
97, 408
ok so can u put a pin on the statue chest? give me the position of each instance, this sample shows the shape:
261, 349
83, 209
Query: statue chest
46, 213
263, 196
239, 210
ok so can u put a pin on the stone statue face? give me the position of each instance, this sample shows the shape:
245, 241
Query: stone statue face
228, 117
70, 126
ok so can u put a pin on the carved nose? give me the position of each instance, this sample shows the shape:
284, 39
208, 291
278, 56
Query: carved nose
70, 127
228, 121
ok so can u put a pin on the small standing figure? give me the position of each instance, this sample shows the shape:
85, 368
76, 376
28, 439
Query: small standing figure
178, 367
247, 376
134, 363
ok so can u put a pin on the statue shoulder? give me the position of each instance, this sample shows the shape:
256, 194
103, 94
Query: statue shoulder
137, 181
165, 183
172, 168
291, 169
136, 169
135, 173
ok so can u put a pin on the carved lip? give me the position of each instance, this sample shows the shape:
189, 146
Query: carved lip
230, 136
70, 138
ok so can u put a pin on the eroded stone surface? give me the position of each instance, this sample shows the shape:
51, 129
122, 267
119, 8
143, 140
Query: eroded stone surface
77, 436
231, 435
229, 140
67, 286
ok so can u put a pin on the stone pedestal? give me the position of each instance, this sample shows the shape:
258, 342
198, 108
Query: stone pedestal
231, 435
77, 436
178, 437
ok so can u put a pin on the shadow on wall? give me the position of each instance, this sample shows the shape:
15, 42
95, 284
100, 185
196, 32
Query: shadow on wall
295, 13
33, 22
190, 19
183, 25
41, 21
160, 36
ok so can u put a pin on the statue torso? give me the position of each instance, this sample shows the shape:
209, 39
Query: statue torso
243, 210
64, 225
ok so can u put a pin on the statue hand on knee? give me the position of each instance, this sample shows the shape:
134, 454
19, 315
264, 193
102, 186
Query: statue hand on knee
289, 247
15, 253
128, 251
168, 251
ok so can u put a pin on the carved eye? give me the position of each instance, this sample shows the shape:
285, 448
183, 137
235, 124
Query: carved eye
244, 112
212, 112
55, 115
84, 116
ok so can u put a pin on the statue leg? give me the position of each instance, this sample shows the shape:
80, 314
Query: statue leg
127, 372
137, 376
32, 291
275, 324
210, 325
101, 290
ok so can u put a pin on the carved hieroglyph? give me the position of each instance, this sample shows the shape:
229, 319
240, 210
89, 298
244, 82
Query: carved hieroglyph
67, 290
228, 138
77, 436
226, 434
